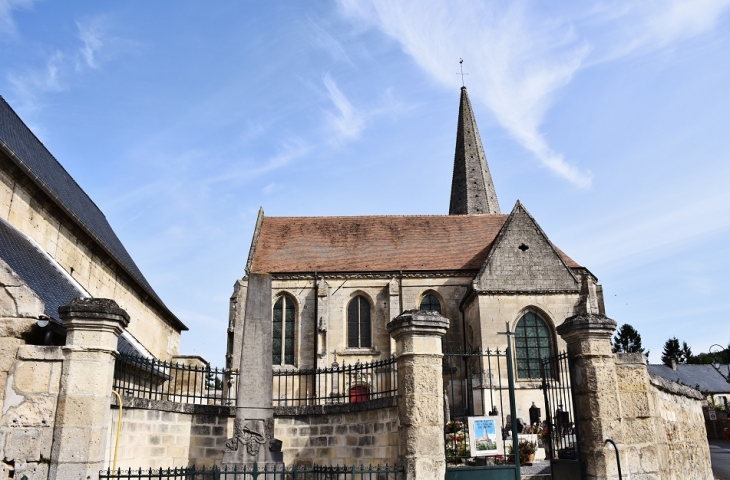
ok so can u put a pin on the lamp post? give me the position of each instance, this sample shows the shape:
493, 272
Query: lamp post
716, 363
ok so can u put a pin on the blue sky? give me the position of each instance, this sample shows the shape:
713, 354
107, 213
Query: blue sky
608, 120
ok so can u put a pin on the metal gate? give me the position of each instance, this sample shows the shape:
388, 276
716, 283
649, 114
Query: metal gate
479, 397
563, 443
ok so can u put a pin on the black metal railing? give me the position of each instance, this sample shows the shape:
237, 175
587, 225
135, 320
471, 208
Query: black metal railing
314, 472
475, 384
562, 440
154, 379
339, 384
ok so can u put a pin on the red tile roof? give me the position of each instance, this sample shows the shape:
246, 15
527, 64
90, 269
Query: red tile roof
376, 243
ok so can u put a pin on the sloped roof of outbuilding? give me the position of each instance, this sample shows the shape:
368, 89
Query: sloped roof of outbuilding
42, 168
375, 243
692, 375
41, 274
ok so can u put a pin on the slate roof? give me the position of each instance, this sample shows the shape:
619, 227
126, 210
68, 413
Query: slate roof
376, 243
42, 275
46, 172
36, 270
708, 378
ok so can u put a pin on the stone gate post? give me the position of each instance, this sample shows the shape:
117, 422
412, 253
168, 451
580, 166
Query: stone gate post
418, 352
595, 386
83, 413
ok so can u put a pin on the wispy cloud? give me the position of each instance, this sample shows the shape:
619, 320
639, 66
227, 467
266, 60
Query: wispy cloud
289, 152
7, 23
653, 231
520, 60
91, 32
664, 22
517, 62
60, 66
345, 121
322, 39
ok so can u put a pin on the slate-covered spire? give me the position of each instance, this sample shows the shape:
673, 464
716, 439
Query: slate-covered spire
472, 190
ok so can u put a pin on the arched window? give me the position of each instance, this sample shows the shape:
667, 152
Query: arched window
430, 303
358, 323
533, 342
282, 349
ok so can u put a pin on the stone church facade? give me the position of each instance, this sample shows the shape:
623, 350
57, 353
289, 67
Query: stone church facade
337, 281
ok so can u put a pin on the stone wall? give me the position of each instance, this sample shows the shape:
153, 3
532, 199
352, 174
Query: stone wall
165, 434
346, 438
23, 206
156, 433
657, 425
29, 411
663, 432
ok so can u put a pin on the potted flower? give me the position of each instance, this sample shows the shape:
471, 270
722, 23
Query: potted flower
457, 442
536, 433
526, 451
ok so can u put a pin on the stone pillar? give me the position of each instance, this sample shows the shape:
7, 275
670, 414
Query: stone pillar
253, 429
595, 386
419, 355
83, 411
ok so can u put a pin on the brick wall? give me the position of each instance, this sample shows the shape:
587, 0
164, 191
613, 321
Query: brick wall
166, 434
344, 438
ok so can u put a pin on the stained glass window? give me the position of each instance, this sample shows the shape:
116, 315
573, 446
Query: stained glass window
283, 332
430, 304
358, 323
533, 342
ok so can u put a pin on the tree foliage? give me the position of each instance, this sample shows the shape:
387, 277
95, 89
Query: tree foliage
680, 354
671, 351
627, 340
723, 356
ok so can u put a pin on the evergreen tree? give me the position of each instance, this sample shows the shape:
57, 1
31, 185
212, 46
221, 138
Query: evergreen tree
672, 351
686, 355
627, 340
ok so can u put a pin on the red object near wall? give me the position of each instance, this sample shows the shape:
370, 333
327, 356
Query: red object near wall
359, 394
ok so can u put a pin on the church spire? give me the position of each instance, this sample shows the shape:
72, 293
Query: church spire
472, 190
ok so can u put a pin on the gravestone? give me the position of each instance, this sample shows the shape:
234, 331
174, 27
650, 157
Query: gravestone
253, 430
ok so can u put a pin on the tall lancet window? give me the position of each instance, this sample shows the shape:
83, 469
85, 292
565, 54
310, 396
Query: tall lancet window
282, 351
358, 323
533, 342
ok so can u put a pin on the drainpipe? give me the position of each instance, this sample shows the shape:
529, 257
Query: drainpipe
316, 337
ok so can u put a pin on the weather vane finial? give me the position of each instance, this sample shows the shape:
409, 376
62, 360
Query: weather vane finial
461, 67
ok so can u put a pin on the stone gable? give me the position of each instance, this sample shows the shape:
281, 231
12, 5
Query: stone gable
522, 259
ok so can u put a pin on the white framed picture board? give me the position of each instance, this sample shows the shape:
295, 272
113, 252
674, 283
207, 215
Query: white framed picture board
485, 436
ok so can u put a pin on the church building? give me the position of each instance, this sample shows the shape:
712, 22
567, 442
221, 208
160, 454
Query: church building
337, 281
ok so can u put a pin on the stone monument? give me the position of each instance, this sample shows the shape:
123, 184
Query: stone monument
253, 430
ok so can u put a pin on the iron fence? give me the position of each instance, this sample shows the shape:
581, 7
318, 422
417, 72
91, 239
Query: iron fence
354, 383
154, 379
474, 386
562, 440
315, 472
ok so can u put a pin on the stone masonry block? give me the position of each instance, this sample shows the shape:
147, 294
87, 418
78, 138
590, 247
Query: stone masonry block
79, 444
23, 444
77, 410
33, 377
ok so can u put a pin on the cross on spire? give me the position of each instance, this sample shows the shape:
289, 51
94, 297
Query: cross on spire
461, 67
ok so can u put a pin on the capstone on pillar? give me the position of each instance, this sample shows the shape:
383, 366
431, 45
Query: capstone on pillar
418, 352
83, 413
